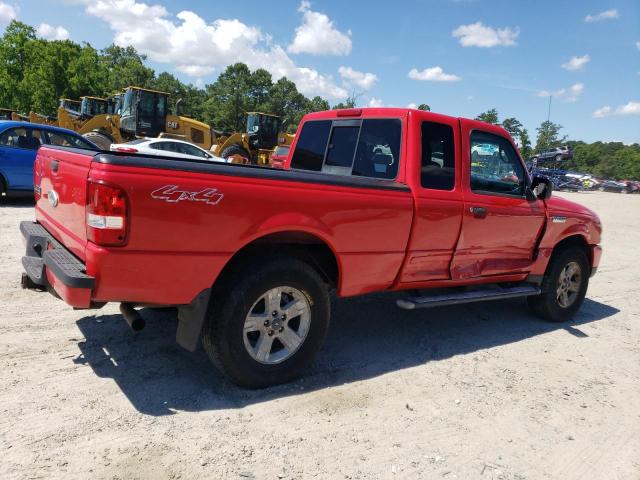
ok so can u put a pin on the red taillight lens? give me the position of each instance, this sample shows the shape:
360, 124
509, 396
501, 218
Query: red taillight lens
127, 149
106, 214
37, 177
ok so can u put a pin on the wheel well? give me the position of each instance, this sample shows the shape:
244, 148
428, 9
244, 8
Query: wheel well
3, 184
573, 242
301, 245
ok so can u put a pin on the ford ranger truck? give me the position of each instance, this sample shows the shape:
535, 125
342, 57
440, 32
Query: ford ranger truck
370, 200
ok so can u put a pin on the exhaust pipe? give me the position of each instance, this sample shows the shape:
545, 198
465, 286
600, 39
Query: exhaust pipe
133, 318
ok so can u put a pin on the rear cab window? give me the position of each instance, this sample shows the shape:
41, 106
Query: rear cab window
368, 147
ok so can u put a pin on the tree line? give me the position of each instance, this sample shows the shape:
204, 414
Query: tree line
35, 73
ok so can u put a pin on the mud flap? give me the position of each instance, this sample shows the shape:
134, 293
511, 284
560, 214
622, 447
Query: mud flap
190, 320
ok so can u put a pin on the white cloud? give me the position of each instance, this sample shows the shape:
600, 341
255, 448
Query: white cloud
412, 105
318, 35
638, 45
7, 13
570, 94
433, 74
52, 33
375, 102
606, 15
631, 108
603, 112
360, 79
576, 63
198, 48
480, 35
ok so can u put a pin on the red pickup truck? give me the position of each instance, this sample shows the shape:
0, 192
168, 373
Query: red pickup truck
370, 200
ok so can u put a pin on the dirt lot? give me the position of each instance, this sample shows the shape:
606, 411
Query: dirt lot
481, 391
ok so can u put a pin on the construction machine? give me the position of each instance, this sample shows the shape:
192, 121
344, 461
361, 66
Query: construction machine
263, 134
135, 113
9, 114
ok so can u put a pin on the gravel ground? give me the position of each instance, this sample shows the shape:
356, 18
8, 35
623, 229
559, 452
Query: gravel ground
482, 391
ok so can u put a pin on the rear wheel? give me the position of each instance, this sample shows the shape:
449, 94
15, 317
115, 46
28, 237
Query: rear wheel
102, 141
564, 286
3, 188
266, 325
236, 153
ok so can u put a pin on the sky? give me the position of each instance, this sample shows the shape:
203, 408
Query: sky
461, 57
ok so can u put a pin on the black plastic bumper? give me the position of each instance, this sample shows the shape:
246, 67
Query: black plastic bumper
43, 250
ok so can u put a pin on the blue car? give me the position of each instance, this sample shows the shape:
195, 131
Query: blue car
19, 143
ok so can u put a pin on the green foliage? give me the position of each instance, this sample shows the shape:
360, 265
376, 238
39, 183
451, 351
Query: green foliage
525, 144
549, 136
490, 116
425, 107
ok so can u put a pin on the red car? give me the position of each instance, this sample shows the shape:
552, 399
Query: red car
373, 200
279, 156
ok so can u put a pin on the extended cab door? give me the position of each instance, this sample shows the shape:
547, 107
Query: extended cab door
434, 169
500, 226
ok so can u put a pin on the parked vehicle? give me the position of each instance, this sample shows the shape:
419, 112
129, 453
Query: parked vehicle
279, 156
613, 186
19, 143
167, 148
375, 200
558, 154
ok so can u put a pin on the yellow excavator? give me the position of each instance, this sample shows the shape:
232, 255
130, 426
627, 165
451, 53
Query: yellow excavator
262, 136
137, 112
10, 114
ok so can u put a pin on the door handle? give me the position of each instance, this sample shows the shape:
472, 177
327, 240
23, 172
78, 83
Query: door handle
478, 212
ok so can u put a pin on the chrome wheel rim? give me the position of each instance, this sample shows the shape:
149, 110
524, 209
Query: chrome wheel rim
569, 285
277, 325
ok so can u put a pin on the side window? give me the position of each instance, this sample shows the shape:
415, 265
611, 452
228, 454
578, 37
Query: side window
190, 150
158, 146
370, 148
311, 146
27, 138
438, 157
66, 140
495, 166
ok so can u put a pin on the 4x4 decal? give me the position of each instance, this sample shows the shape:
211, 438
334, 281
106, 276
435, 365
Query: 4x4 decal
173, 194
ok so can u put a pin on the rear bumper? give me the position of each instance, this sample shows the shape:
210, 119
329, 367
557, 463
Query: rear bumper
49, 264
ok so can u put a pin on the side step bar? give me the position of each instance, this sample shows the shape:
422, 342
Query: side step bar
457, 298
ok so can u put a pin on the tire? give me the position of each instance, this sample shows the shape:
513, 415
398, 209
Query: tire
558, 158
601, 189
232, 150
102, 141
549, 304
624, 190
3, 188
227, 336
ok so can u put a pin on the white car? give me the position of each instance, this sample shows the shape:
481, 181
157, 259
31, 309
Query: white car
167, 147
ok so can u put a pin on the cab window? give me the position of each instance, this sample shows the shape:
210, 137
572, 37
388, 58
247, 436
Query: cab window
365, 148
495, 166
438, 157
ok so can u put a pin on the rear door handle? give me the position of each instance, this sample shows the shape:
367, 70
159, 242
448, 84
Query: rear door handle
478, 212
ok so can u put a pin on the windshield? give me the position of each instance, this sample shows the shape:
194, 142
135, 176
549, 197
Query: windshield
127, 103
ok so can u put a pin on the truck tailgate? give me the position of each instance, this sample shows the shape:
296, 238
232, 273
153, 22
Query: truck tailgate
61, 177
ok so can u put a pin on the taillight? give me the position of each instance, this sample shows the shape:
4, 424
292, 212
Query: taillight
127, 149
106, 214
37, 177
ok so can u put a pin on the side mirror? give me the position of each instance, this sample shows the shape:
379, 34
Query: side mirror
541, 187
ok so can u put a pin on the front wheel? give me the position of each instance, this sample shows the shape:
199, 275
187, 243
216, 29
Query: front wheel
266, 326
564, 286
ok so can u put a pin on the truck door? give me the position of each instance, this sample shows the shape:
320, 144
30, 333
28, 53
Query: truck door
500, 226
435, 167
